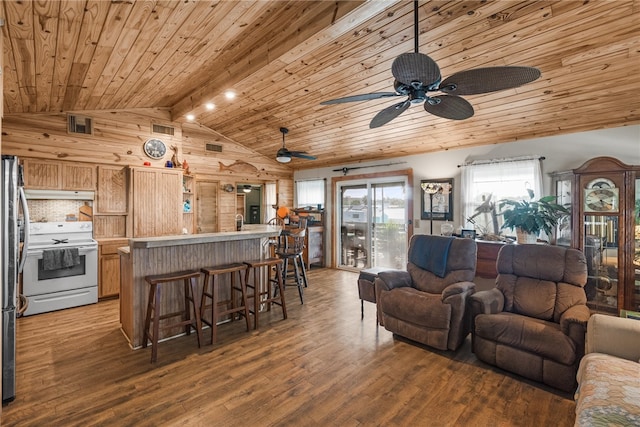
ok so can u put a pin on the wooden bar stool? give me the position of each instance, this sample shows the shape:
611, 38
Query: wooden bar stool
262, 294
190, 280
212, 292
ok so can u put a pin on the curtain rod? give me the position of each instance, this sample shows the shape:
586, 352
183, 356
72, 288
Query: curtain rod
487, 162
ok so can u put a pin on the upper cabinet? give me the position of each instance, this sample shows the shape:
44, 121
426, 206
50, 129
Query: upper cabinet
78, 176
111, 197
58, 175
157, 203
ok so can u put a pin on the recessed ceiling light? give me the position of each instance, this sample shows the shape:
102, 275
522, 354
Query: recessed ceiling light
230, 94
209, 106
191, 117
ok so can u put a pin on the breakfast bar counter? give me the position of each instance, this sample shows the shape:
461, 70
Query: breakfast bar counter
158, 255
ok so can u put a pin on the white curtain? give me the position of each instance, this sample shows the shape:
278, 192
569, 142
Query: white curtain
270, 199
310, 193
485, 184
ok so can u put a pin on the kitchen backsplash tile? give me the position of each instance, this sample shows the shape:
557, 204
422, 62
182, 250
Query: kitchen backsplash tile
54, 210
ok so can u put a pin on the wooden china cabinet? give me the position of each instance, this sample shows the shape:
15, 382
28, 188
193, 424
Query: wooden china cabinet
606, 227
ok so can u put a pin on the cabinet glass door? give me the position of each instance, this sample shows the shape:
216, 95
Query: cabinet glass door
563, 182
601, 252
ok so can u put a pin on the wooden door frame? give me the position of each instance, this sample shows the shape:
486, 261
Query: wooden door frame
405, 173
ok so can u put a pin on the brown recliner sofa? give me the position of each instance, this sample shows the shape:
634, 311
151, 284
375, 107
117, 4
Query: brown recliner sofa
426, 303
533, 322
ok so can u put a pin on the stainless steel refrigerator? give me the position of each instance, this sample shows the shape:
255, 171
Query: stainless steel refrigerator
12, 201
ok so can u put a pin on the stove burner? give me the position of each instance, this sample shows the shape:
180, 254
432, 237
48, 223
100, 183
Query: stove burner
58, 241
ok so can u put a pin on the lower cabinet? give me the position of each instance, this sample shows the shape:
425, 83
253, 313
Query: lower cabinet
109, 267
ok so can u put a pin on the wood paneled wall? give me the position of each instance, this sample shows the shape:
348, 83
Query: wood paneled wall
118, 137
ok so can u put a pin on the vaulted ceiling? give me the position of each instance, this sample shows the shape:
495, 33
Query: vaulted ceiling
282, 58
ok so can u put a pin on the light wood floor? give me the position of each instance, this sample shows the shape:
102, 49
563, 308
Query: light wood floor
323, 366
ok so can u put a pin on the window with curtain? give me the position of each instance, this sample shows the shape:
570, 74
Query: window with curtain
310, 193
485, 184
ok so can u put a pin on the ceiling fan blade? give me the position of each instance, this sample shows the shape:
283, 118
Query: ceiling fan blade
490, 79
412, 67
362, 97
449, 107
302, 155
388, 114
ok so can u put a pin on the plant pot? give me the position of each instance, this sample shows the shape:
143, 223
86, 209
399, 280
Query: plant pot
524, 237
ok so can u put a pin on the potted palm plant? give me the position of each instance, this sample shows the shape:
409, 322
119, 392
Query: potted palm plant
530, 217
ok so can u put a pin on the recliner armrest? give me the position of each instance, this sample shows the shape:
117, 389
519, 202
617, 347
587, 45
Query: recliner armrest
457, 288
392, 279
576, 314
573, 322
486, 302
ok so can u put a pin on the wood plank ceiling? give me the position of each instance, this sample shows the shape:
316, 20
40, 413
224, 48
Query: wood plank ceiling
283, 57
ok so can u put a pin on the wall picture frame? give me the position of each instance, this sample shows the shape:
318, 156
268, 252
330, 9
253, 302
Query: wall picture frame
437, 199
468, 234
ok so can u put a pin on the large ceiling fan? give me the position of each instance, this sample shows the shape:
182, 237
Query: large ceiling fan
416, 75
284, 155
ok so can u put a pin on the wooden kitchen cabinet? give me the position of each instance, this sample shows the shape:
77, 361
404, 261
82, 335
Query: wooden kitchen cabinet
58, 175
109, 267
42, 174
157, 205
111, 206
78, 176
111, 197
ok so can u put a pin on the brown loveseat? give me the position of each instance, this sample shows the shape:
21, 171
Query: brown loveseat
533, 322
427, 302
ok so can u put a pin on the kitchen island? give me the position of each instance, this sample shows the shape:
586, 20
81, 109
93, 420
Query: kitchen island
157, 255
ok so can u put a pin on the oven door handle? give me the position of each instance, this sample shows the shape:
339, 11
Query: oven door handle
82, 250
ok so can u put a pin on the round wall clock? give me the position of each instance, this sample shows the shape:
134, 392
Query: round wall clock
601, 195
155, 148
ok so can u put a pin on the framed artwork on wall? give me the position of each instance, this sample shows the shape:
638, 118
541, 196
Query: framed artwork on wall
437, 199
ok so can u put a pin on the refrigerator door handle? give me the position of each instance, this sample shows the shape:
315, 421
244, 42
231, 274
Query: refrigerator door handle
25, 213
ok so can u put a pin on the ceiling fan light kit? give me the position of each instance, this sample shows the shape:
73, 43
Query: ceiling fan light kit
416, 75
284, 155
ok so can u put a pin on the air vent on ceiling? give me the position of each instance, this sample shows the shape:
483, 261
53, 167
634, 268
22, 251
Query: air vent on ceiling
163, 129
80, 124
213, 147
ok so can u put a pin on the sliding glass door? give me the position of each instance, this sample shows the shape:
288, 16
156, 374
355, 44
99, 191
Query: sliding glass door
373, 224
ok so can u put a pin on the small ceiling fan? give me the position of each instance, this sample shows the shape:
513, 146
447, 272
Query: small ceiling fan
284, 155
416, 75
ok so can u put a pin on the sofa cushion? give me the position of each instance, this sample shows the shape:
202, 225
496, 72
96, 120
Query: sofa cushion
609, 391
526, 333
414, 306
567, 297
528, 296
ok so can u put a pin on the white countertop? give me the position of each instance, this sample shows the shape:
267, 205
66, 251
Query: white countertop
249, 231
